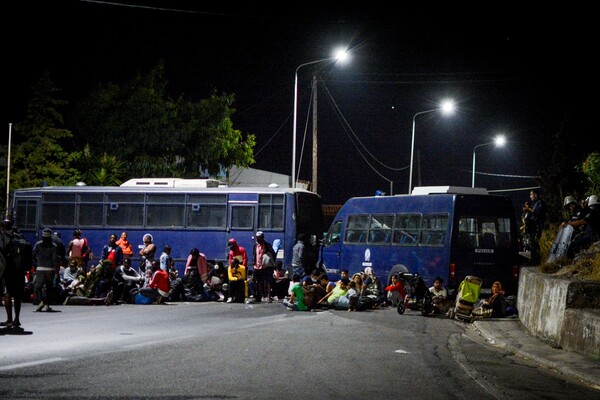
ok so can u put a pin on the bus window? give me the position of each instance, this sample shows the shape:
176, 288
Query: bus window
380, 231
434, 229
26, 213
165, 210
333, 236
242, 217
356, 229
406, 230
270, 212
207, 211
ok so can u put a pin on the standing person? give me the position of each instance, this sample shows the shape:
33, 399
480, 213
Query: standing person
299, 257
147, 256
78, 249
534, 224
237, 251
263, 257
46, 258
165, 258
112, 252
12, 280
125, 245
196, 266
60, 249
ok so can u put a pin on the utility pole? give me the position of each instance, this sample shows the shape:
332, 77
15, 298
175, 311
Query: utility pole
314, 143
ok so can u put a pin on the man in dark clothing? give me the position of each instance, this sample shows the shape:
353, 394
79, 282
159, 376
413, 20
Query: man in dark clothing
534, 224
13, 278
60, 249
589, 226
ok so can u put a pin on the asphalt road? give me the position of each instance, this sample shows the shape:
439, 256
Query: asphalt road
261, 351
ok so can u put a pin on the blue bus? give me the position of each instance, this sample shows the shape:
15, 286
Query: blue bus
445, 231
184, 213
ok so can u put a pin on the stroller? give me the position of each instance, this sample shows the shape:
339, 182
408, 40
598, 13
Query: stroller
468, 295
418, 297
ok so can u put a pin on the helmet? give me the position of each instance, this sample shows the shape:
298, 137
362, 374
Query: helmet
593, 199
569, 200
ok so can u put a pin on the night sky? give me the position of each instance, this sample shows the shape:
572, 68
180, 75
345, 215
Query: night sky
520, 72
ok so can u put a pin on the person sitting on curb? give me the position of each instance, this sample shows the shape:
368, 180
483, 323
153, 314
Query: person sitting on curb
159, 287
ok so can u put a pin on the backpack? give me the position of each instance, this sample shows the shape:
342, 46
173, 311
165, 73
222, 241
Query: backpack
20, 252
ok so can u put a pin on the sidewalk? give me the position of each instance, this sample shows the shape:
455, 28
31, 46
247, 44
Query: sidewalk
511, 334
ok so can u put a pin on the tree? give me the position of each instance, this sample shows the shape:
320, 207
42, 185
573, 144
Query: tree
591, 168
37, 155
158, 136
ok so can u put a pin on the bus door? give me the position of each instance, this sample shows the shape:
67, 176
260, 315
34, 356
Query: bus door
332, 248
241, 224
484, 247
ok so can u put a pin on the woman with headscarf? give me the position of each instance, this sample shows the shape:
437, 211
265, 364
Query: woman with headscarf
496, 303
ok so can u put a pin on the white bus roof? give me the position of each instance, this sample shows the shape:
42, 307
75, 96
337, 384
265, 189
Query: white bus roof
448, 189
172, 182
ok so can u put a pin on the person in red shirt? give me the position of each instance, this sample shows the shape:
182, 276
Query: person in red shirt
159, 287
395, 291
237, 251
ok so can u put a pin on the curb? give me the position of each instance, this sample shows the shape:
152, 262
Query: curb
498, 341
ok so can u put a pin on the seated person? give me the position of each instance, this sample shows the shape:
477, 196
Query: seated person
439, 295
326, 283
159, 287
313, 291
73, 278
395, 291
372, 286
281, 282
177, 292
237, 282
126, 280
216, 286
337, 297
296, 301
494, 306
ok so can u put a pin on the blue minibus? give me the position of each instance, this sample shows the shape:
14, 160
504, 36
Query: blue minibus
184, 213
444, 231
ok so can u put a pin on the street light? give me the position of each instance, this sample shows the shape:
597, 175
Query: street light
447, 107
340, 55
499, 141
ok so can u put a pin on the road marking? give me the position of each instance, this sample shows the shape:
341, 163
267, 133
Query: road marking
31, 364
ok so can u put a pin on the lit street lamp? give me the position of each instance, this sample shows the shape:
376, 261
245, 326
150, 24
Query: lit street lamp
447, 107
499, 141
340, 55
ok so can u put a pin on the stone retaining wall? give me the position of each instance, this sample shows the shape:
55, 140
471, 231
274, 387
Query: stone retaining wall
561, 311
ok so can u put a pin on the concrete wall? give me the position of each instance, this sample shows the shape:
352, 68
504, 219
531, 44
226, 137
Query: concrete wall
561, 311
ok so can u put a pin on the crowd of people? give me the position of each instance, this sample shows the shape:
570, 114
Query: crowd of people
62, 275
